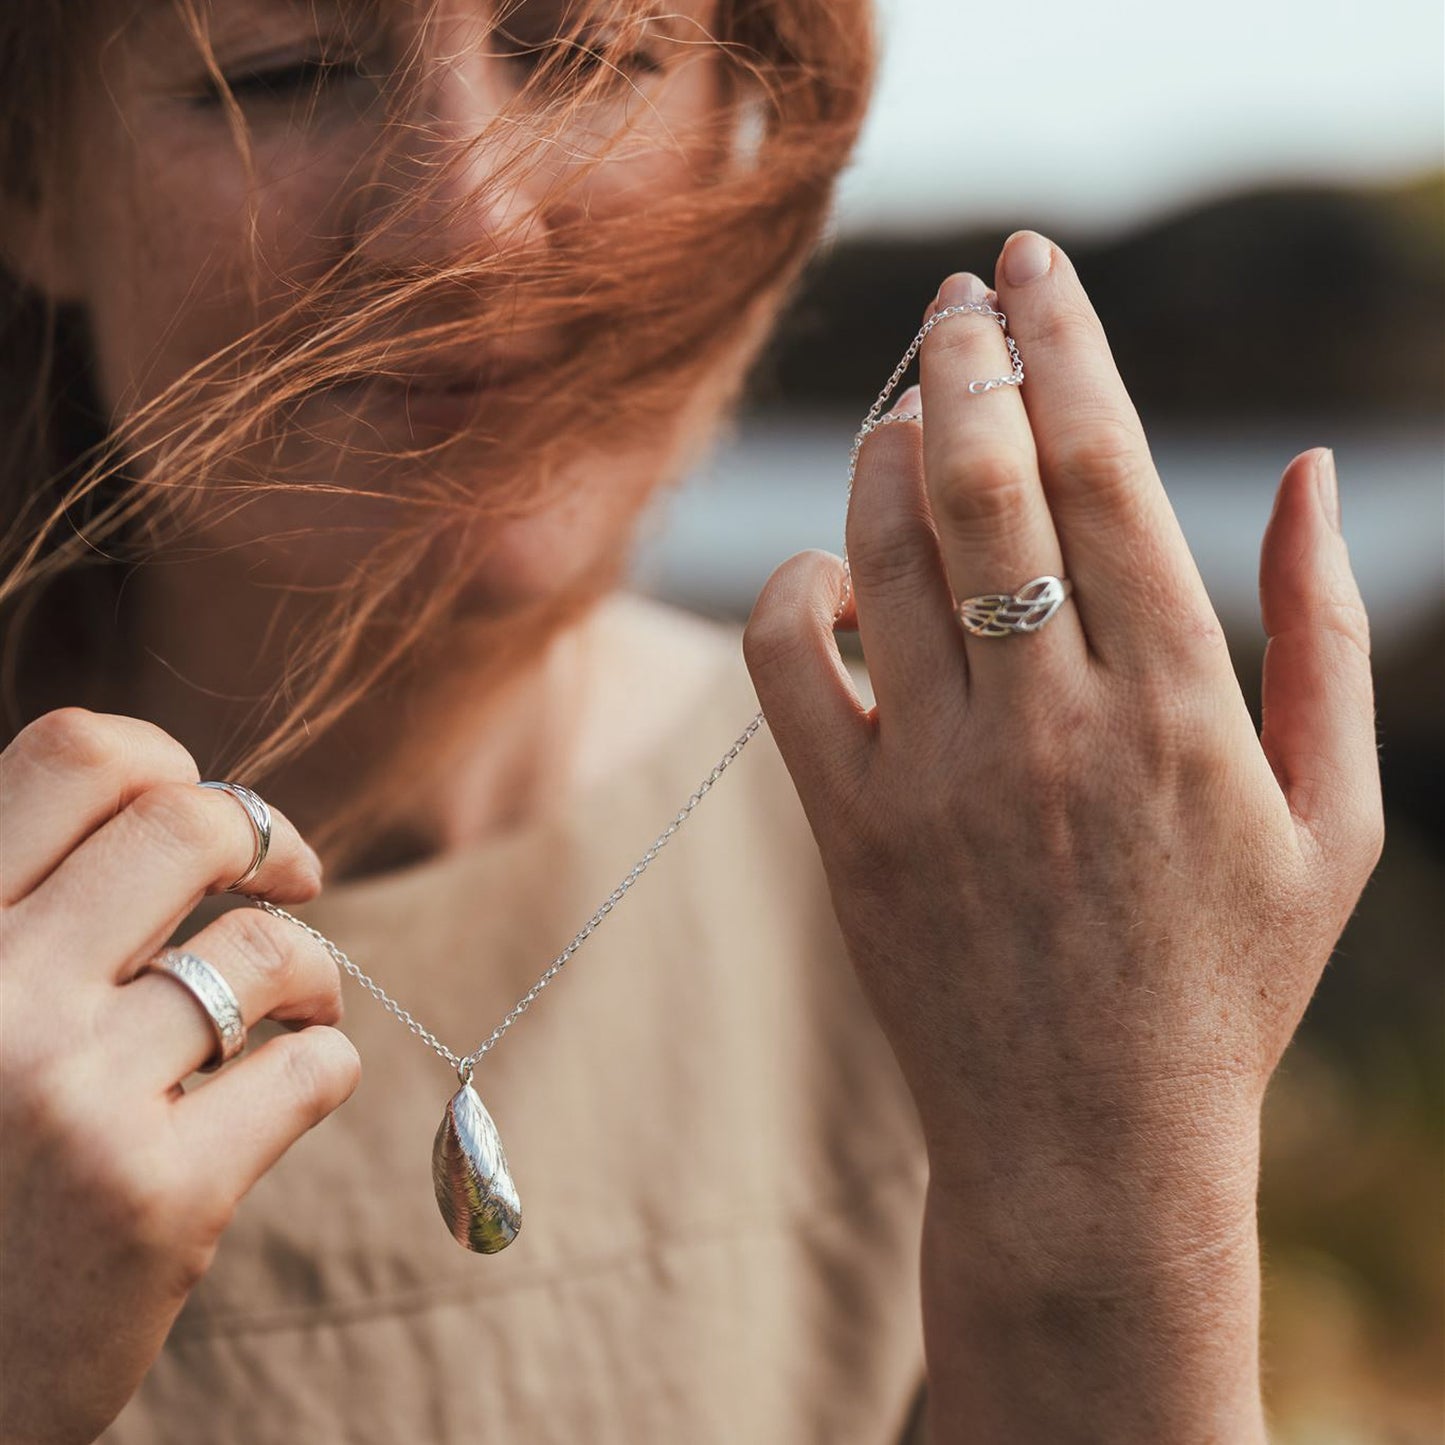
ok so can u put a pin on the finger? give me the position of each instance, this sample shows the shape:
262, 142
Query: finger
911, 642
246, 1117
275, 969
988, 504
1120, 540
813, 710
64, 775
117, 898
1319, 714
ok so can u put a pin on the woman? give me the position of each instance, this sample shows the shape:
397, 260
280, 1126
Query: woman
348, 342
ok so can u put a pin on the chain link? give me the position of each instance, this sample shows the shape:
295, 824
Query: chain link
464, 1064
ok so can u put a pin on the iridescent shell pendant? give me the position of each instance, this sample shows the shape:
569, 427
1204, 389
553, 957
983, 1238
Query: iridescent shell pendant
474, 1186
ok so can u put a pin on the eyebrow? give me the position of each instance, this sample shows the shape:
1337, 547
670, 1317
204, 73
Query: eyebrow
224, 20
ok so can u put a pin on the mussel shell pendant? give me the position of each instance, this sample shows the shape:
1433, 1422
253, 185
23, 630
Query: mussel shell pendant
474, 1186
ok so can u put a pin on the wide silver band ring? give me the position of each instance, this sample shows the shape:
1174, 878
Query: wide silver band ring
997, 614
260, 816
210, 989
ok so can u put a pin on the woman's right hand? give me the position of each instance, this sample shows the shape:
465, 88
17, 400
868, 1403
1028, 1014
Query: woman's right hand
115, 1183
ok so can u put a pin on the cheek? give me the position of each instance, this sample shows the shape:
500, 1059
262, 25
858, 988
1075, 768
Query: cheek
506, 563
667, 139
175, 268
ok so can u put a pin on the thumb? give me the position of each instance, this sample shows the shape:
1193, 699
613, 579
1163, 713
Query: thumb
1318, 699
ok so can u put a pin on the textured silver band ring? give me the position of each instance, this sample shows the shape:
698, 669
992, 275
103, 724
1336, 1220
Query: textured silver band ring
210, 989
260, 816
996, 614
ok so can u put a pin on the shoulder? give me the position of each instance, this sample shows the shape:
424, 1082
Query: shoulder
649, 643
628, 625
665, 686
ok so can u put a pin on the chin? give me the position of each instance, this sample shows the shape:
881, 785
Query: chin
533, 561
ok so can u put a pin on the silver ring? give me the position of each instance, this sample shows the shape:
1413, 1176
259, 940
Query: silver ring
996, 614
210, 989
260, 816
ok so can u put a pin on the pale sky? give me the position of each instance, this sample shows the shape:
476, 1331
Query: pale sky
1103, 112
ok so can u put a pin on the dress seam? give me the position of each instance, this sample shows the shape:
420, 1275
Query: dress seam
905, 1171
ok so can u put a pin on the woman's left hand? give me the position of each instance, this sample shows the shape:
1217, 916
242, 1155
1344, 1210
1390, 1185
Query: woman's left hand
1086, 900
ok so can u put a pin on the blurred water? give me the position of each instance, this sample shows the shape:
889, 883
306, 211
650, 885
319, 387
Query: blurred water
777, 487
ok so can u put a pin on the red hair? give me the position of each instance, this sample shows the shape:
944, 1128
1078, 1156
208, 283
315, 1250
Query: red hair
665, 306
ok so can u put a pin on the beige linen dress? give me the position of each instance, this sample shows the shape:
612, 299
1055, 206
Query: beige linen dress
720, 1168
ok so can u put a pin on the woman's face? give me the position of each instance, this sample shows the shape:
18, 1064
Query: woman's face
158, 243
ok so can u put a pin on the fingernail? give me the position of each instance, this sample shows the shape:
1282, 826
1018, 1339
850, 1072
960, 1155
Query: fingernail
314, 856
1026, 257
911, 400
1327, 480
961, 287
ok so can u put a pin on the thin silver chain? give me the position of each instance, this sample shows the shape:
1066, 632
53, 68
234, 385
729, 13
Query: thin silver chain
464, 1064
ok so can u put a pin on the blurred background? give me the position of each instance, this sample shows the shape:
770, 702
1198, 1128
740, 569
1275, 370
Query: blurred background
1253, 192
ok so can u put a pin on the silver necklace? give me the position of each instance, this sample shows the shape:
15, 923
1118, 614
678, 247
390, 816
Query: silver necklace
474, 1187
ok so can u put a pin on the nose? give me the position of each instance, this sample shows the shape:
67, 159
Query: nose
442, 182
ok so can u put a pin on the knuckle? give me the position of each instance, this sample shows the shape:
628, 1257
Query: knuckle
319, 977
268, 950
75, 739
1071, 329
70, 739
773, 641
884, 556
321, 1067
1103, 458
175, 755
780, 626
985, 489
302, 1078
174, 816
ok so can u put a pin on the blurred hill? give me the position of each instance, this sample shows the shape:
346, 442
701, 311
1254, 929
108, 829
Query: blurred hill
1293, 301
